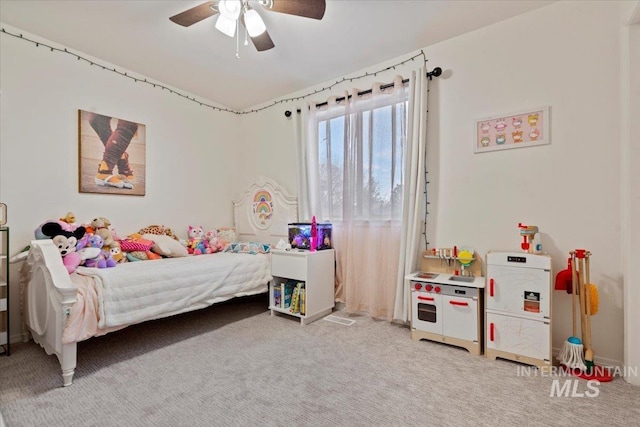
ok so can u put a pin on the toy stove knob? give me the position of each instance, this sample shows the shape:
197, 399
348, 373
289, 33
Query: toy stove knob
437, 289
418, 286
428, 288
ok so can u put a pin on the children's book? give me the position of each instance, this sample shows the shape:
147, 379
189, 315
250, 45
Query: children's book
287, 293
277, 292
295, 301
303, 300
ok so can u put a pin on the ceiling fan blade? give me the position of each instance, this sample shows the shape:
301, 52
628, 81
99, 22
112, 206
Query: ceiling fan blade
195, 14
263, 42
307, 8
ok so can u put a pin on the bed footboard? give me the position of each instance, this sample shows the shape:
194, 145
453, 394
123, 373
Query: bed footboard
49, 295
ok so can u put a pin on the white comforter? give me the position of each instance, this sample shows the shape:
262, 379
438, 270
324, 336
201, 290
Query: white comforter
138, 291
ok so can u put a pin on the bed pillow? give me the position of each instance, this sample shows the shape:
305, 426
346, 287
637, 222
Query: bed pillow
248, 248
166, 245
227, 234
130, 245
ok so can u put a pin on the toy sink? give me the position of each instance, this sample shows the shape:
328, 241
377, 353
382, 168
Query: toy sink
462, 279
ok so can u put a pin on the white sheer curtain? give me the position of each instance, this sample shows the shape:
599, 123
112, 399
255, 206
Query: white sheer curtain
307, 161
413, 208
352, 167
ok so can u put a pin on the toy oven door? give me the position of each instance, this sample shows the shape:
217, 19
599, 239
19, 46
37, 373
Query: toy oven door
426, 312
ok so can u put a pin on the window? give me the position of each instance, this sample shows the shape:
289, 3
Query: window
361, 159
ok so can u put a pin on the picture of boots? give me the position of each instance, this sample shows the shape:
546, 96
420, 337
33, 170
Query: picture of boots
116, 146
102, 125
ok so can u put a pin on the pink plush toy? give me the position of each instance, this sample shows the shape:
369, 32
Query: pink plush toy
197, 244
215, 242
67, 248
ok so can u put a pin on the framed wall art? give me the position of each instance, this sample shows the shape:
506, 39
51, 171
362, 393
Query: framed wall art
526, 128
111, 155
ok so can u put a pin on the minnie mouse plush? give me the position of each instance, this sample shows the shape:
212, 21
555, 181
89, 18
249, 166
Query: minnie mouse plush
66, 242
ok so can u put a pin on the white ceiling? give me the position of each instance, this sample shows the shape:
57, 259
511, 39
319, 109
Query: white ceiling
354, 34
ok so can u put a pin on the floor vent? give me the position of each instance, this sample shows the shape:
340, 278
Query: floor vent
340, 320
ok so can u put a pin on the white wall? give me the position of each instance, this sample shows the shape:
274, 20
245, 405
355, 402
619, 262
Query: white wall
267, 144
567, 56
191, 154
569, 189
631, 186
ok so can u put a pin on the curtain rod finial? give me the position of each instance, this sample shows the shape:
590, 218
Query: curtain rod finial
437, 72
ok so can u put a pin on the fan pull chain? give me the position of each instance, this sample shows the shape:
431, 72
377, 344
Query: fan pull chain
237, 39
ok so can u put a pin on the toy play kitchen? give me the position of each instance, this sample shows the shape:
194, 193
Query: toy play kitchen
446, 306
518, 307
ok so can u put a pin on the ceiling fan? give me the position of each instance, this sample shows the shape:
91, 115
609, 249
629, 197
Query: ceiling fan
232, 13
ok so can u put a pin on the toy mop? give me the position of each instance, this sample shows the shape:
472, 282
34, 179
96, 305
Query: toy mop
572, 352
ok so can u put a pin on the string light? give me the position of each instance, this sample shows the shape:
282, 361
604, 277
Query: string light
204, 104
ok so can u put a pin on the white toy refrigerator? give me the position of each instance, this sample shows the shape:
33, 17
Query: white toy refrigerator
518, 307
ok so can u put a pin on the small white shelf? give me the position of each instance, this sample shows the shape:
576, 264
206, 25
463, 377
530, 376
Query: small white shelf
316, 270
286, 311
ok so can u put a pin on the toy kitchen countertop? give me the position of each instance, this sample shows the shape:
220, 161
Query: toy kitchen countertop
446, 279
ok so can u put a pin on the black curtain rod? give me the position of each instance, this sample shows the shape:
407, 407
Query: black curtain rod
437, 72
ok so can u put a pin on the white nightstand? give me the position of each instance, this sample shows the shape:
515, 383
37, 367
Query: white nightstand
313, 273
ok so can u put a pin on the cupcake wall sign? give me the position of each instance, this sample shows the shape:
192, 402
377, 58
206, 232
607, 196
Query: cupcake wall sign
524, 128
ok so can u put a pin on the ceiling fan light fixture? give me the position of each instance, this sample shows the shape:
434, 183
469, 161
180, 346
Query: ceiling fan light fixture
230, 8
254, 23
226, 26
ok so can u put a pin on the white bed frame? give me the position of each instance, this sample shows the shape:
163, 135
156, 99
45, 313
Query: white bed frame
261, 214
252, 224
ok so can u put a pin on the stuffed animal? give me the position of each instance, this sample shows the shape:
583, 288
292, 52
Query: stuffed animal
227, 234
169, 232
108, 259
215, 243
131, 257
117, 255
142, 256
152, 229
66, 242
69, 218
197, 244
161, 230
63, 225
92, 251
88, 253
114, 233
104, 258
101, 228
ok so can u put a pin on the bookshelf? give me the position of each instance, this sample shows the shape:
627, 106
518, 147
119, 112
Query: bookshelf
303, 284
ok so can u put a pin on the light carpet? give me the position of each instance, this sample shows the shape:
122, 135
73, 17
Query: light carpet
234, 365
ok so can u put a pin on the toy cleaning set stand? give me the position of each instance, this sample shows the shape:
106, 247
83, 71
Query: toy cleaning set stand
577, 354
